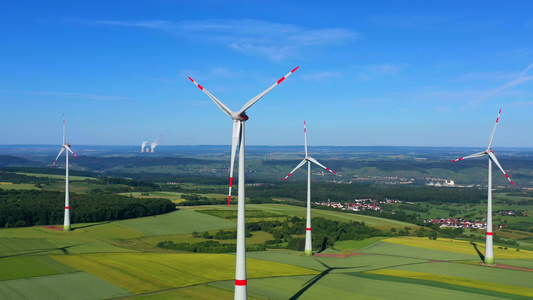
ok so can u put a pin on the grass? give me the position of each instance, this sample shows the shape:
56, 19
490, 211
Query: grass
201, 292
150, 242
468, 282
71, 178
119, 259
19, 186
16, 267
178, 222
78, 285
491, 275
414, 251
380, 223
351, 246
459, 246
148, 272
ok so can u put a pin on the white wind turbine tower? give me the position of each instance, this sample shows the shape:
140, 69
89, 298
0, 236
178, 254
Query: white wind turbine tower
308, 159
489, 251
239, 117
66, 225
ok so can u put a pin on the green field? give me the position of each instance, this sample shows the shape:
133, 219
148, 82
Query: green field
385, 224
71, 178
118, 259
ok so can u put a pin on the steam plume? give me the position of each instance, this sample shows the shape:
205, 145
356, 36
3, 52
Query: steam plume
143, 145
153, 145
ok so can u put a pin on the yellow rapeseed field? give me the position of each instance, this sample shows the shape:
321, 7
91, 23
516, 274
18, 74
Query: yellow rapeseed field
148, 272
458, 246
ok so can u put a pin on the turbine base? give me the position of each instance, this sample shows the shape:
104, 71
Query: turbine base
308, 252
489, 261
66, 228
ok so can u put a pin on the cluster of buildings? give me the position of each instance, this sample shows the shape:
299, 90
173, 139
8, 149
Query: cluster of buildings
356, 205
460, 223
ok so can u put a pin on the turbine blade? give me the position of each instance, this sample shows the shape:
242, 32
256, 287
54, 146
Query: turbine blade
495, 160
256, 98
494, 129
60, 152
217, 102
305, 135
470, 156
297, 167
69, 150
319, 164
234, 143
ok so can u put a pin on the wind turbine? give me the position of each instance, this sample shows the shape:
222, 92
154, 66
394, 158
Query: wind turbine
239, 117
489, 251
66, 225
308, 159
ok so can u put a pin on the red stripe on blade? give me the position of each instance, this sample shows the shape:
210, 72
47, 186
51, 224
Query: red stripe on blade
240, 282
282, 78
66, 207
230, 181
229, 200
308, 229
489, 233
294, 69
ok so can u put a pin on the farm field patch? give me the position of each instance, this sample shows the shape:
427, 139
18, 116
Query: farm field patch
300, 212
344, 287
18, 186
459, 246
16, 267
148, 272
77, 285
350, 246
414, 251
201, 292
178, 222
71, 178
464, 280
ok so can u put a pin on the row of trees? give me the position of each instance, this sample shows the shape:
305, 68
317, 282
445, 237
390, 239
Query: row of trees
29, 208
348, 192
286, 234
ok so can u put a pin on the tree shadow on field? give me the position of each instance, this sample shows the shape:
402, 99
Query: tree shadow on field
37, 251
91, 225
478, 252
315, 279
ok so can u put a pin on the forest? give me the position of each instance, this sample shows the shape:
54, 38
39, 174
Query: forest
33, 207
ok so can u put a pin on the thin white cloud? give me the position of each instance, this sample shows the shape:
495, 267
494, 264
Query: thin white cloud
275, 41
522, 78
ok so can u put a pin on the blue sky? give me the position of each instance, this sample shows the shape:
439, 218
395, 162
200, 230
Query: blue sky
393, 73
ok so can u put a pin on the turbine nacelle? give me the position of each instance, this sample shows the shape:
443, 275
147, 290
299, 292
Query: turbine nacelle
239, 117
